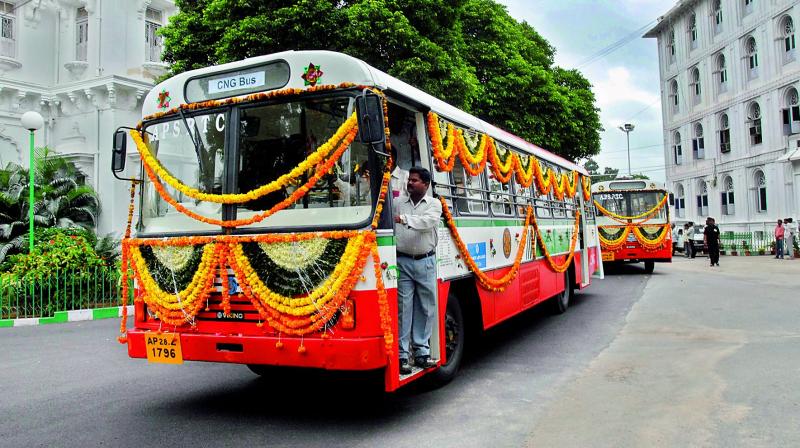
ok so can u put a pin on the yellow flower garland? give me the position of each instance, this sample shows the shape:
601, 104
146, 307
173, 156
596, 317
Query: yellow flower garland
615, 243
445, 154
624, 219
651, 244
237, 198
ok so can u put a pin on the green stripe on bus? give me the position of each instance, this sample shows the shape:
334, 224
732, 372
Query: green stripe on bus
6, 323
385, 241
60, 317
104, 313
489, 222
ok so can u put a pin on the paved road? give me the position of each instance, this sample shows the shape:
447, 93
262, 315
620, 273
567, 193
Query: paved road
73, 385
708, 357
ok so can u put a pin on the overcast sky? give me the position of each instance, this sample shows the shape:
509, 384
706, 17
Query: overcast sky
626, 83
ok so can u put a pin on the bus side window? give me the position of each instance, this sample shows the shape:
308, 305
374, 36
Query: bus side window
468, 191
542, 204
500, 195
443, 187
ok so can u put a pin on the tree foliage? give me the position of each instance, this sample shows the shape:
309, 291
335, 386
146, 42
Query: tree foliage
470, 53
60, 200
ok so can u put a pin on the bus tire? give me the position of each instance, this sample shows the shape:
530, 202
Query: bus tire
561, 300
454, 331
649, 266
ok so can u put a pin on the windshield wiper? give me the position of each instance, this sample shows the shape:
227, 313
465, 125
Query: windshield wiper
196, 141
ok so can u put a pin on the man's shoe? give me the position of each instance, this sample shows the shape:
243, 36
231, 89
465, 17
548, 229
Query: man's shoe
405, 369
424, 362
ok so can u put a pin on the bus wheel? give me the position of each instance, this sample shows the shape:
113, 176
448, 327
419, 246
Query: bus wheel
649, 265
561, 300
454, 329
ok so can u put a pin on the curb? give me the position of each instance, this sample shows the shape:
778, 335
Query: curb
67, 316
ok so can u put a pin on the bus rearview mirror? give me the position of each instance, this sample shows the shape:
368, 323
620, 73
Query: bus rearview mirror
369, 109
119, 147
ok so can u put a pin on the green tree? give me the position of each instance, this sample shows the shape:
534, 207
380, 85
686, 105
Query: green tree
470, 53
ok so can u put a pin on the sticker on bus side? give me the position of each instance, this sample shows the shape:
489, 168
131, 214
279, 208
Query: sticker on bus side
478, 253
163, 348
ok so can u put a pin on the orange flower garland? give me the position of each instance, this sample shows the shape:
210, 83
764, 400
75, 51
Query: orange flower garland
651, 244
383, 303
573, 241
586, 181
484, 280
152, 164
446, 152
616, 243
321, 170
123, 325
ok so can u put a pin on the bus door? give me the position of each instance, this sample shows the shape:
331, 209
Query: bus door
408, 138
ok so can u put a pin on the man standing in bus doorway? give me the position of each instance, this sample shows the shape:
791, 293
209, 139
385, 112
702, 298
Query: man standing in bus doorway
416, 218
711, 239
779, 233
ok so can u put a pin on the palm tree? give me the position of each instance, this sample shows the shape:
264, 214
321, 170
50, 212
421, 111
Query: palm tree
61, 200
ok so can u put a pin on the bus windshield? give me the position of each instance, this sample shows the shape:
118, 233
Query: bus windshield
272, 140
632, 203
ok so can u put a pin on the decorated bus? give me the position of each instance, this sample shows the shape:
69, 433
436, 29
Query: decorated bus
633, 221
264, 233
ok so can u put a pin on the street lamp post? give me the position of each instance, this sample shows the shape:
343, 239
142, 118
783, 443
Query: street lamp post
627, 128
31, 121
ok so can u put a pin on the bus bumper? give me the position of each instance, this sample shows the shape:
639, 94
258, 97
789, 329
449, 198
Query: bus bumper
332, 354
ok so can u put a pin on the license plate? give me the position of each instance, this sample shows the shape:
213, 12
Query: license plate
163, 348
608, 256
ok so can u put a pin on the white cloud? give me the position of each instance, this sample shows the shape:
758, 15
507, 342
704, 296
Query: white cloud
618, 87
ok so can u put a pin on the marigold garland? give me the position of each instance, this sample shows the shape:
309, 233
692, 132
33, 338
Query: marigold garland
573, 242
502, 165
152, 164
484, 280
123, 325
587, 188
383, 303
614, 243
321, 170
624, 219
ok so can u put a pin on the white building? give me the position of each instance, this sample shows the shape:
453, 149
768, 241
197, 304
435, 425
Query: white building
730, 75
85, 65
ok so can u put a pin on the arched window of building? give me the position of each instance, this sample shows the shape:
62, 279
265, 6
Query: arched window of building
8, 31
722, 73
698, 142
702, 199
787, 26
673, 94
81, 34
751, 50
671, 45
676, 148
680, 201
728, 206
694, 85
791, 112
760, 182
754, 123
693, 31
724, 134
717, 16
748, 6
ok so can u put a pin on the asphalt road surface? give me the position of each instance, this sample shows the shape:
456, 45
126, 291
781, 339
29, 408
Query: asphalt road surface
73, 385
689, 356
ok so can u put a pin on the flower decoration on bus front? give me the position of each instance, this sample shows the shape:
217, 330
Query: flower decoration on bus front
312, 74
163, 99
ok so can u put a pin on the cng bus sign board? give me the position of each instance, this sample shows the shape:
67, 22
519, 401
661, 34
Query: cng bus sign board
164, 348
236, 82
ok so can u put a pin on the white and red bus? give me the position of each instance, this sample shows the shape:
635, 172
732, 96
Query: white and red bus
264, 234
633, 221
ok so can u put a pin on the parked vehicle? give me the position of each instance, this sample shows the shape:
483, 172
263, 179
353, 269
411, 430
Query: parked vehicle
695, 237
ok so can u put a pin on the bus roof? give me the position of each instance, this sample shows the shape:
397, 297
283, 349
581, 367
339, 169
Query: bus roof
627, 184
340, 68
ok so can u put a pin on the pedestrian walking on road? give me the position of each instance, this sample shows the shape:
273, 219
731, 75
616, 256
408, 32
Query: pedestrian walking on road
791, 234
711, 238
779, 233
